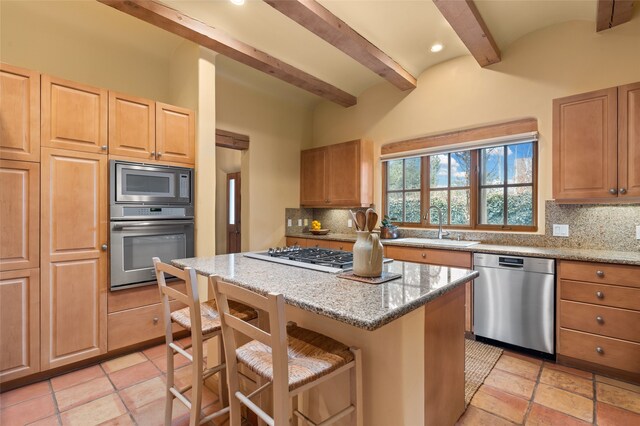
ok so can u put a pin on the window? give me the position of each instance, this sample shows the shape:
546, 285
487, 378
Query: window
486, 188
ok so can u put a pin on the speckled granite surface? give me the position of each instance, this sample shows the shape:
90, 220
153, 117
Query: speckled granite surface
587, 255
362, 305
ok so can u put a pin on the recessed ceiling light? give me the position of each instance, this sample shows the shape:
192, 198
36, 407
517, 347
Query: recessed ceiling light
238, 2
435, 48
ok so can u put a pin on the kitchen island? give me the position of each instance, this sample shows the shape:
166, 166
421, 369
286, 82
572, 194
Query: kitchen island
410, 330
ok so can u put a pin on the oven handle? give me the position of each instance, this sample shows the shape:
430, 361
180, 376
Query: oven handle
147, 225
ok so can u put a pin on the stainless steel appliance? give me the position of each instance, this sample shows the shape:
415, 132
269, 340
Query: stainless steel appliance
151, 215
318, 259
514, 300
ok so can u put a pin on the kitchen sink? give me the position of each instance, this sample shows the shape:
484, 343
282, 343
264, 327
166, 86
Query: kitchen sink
436, 242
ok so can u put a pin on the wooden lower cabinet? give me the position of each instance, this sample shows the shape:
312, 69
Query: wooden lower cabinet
73, 257
19, 323
294, 241
598, 317
318, 243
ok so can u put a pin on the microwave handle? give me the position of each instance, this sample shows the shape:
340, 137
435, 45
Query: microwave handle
154, 224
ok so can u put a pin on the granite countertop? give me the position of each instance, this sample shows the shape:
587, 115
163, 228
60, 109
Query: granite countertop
366, 306
589, 255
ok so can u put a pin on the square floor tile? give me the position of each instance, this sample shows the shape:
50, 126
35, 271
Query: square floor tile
539, 415
500, 403
516, 385
143, 393
518, 366
532, 360
156, 351
565, 402
82, 393
135, 374
567, 381
618, 383
575, 371
178, 361
152, 414
477, 417
47, 421
123, 362
123, 420
95, 412
28, 411
608, 415
622, 398
24, 393
76, 377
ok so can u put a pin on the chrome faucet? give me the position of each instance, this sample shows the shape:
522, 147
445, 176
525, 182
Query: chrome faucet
441, 233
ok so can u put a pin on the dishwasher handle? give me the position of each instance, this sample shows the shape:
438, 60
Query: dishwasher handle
511, 262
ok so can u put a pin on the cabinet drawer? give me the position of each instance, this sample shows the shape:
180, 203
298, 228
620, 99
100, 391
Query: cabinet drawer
600, 294
612, 322
616, 353
626, 275
436, 257
137, 325
291, 241
341, 245
139, 296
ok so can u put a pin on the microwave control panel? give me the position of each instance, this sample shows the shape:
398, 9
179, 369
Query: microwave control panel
154, 211
184, 185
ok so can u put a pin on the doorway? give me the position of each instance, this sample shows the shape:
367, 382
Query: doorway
234, 240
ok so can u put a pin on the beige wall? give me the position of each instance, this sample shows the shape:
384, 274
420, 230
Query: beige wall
271, 167
557, 61
227, 161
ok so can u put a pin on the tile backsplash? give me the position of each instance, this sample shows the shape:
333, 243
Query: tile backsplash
606, 227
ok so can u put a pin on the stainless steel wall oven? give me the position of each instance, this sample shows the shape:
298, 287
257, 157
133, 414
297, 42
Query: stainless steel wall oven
151, 211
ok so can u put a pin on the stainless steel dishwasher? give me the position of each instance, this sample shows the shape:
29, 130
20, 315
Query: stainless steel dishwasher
514, 300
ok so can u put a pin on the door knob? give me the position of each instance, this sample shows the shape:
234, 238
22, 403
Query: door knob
613, 191
623, 191
599, 295
104, 247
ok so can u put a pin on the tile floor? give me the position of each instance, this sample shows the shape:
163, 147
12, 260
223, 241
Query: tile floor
130, 391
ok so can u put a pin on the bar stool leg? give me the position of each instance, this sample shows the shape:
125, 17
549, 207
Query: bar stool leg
168, 409
223, 389
294, 403
356, 386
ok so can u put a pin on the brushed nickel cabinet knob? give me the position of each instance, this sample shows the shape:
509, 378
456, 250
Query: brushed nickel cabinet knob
600, 320
103, 147
600, 273
613, 191
155, 320
599, 295
159, 154
104, 247
623, 190
153, 153
424, 255
600, 350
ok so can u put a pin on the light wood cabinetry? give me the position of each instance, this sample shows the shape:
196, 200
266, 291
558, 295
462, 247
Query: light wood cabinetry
338, 175
19, 113
19, 323
74, 256
19, 215
74, 116
599, 317
596, 138
132, 126
175, 134
317, 243
291, 241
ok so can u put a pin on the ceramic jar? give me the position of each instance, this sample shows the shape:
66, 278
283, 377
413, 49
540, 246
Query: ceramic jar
367, 254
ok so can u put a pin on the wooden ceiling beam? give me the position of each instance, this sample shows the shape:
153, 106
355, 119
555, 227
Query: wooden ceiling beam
178, 23
613, 12
464, 18
320, 21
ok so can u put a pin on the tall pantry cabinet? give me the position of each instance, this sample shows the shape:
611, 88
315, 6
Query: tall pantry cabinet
19, 222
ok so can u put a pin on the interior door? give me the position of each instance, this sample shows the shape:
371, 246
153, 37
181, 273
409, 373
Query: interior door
233, 213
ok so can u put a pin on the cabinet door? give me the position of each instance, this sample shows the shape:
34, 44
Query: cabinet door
20, 215
19, 323
19, 113
74, 264
74, 116
175, 134
585, 146
313, 168
343, 176
132, 126
629, 141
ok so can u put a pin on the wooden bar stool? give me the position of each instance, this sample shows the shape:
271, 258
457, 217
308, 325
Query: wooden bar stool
203, 321
290, 358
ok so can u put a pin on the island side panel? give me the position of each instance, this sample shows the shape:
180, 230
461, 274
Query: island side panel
393, 370
444, 358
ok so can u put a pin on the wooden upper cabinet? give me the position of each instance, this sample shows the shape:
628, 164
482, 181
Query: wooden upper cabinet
585, 147
19, 113
74, 256
338, 175
19, 215
132, 126
175, 134
313, 166
19, 323
629, 141
74, 116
